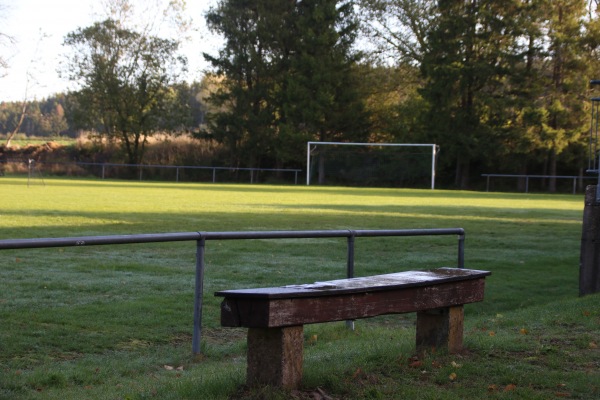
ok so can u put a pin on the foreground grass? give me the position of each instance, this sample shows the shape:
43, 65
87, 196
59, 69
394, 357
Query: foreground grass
114, 322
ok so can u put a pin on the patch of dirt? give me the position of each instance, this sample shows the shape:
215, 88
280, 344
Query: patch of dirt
224, 335
308, 394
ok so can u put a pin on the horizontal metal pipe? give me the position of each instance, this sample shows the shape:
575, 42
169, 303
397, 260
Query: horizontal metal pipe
96, 240
188, 236
536, 176
410, 232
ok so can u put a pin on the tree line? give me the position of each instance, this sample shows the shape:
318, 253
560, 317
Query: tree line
501, 86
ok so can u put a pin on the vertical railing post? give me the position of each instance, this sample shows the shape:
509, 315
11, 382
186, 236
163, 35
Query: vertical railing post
461, 251
198, 292
350, 261
350, 269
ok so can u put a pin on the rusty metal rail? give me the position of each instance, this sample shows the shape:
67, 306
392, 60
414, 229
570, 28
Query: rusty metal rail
202, 237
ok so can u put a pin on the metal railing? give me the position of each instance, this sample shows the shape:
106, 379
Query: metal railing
202, 237
527, 177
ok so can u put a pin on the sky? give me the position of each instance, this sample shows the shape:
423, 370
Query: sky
38, 28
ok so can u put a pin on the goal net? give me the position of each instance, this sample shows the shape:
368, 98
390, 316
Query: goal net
371, 164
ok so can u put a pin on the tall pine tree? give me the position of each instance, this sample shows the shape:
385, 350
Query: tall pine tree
249, 66
464, 66
565, 80
289, 77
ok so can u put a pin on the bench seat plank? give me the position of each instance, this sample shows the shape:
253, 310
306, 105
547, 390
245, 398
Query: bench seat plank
356, 285
353, 298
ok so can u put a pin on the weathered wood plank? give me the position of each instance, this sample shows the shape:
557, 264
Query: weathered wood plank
374, 283
440, 329
275, 356
589, 259
265, 313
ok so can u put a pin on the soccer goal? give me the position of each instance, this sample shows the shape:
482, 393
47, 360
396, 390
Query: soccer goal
371, 164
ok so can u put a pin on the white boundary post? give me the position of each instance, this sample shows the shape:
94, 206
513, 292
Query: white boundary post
308, 163
433, 156
434, 150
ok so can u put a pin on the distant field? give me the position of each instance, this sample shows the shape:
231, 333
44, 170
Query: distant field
22, 140
110, 321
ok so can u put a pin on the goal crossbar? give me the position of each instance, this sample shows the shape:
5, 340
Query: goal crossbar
434, 150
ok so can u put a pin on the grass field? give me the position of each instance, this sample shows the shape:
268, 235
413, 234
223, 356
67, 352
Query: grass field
114, 322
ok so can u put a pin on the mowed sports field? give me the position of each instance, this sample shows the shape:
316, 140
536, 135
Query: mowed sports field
115, 322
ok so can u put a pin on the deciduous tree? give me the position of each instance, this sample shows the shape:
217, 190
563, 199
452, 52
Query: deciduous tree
125, 66
124, 77
398, 29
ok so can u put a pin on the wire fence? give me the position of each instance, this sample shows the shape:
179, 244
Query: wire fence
523, 181
152, 172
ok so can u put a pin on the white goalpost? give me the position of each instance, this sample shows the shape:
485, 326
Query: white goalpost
310, 146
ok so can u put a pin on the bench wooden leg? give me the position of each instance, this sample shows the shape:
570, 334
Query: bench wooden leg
275, 356
440, 329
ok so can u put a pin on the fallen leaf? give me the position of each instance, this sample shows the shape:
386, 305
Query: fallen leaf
587, 313
17, 260
492, 388
180, 368
452, 376
492, 333
455, 364
168, 367
416, 364
593, 345
510, 387
356, 373
523, 331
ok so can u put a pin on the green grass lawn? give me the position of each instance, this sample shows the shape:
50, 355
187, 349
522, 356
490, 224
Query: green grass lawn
115, 322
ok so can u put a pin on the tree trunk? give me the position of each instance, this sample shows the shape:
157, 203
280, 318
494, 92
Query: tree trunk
16, 130
552, 180
321, 167
461, 179
522, 182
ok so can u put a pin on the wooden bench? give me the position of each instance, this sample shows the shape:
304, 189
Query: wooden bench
275, 316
